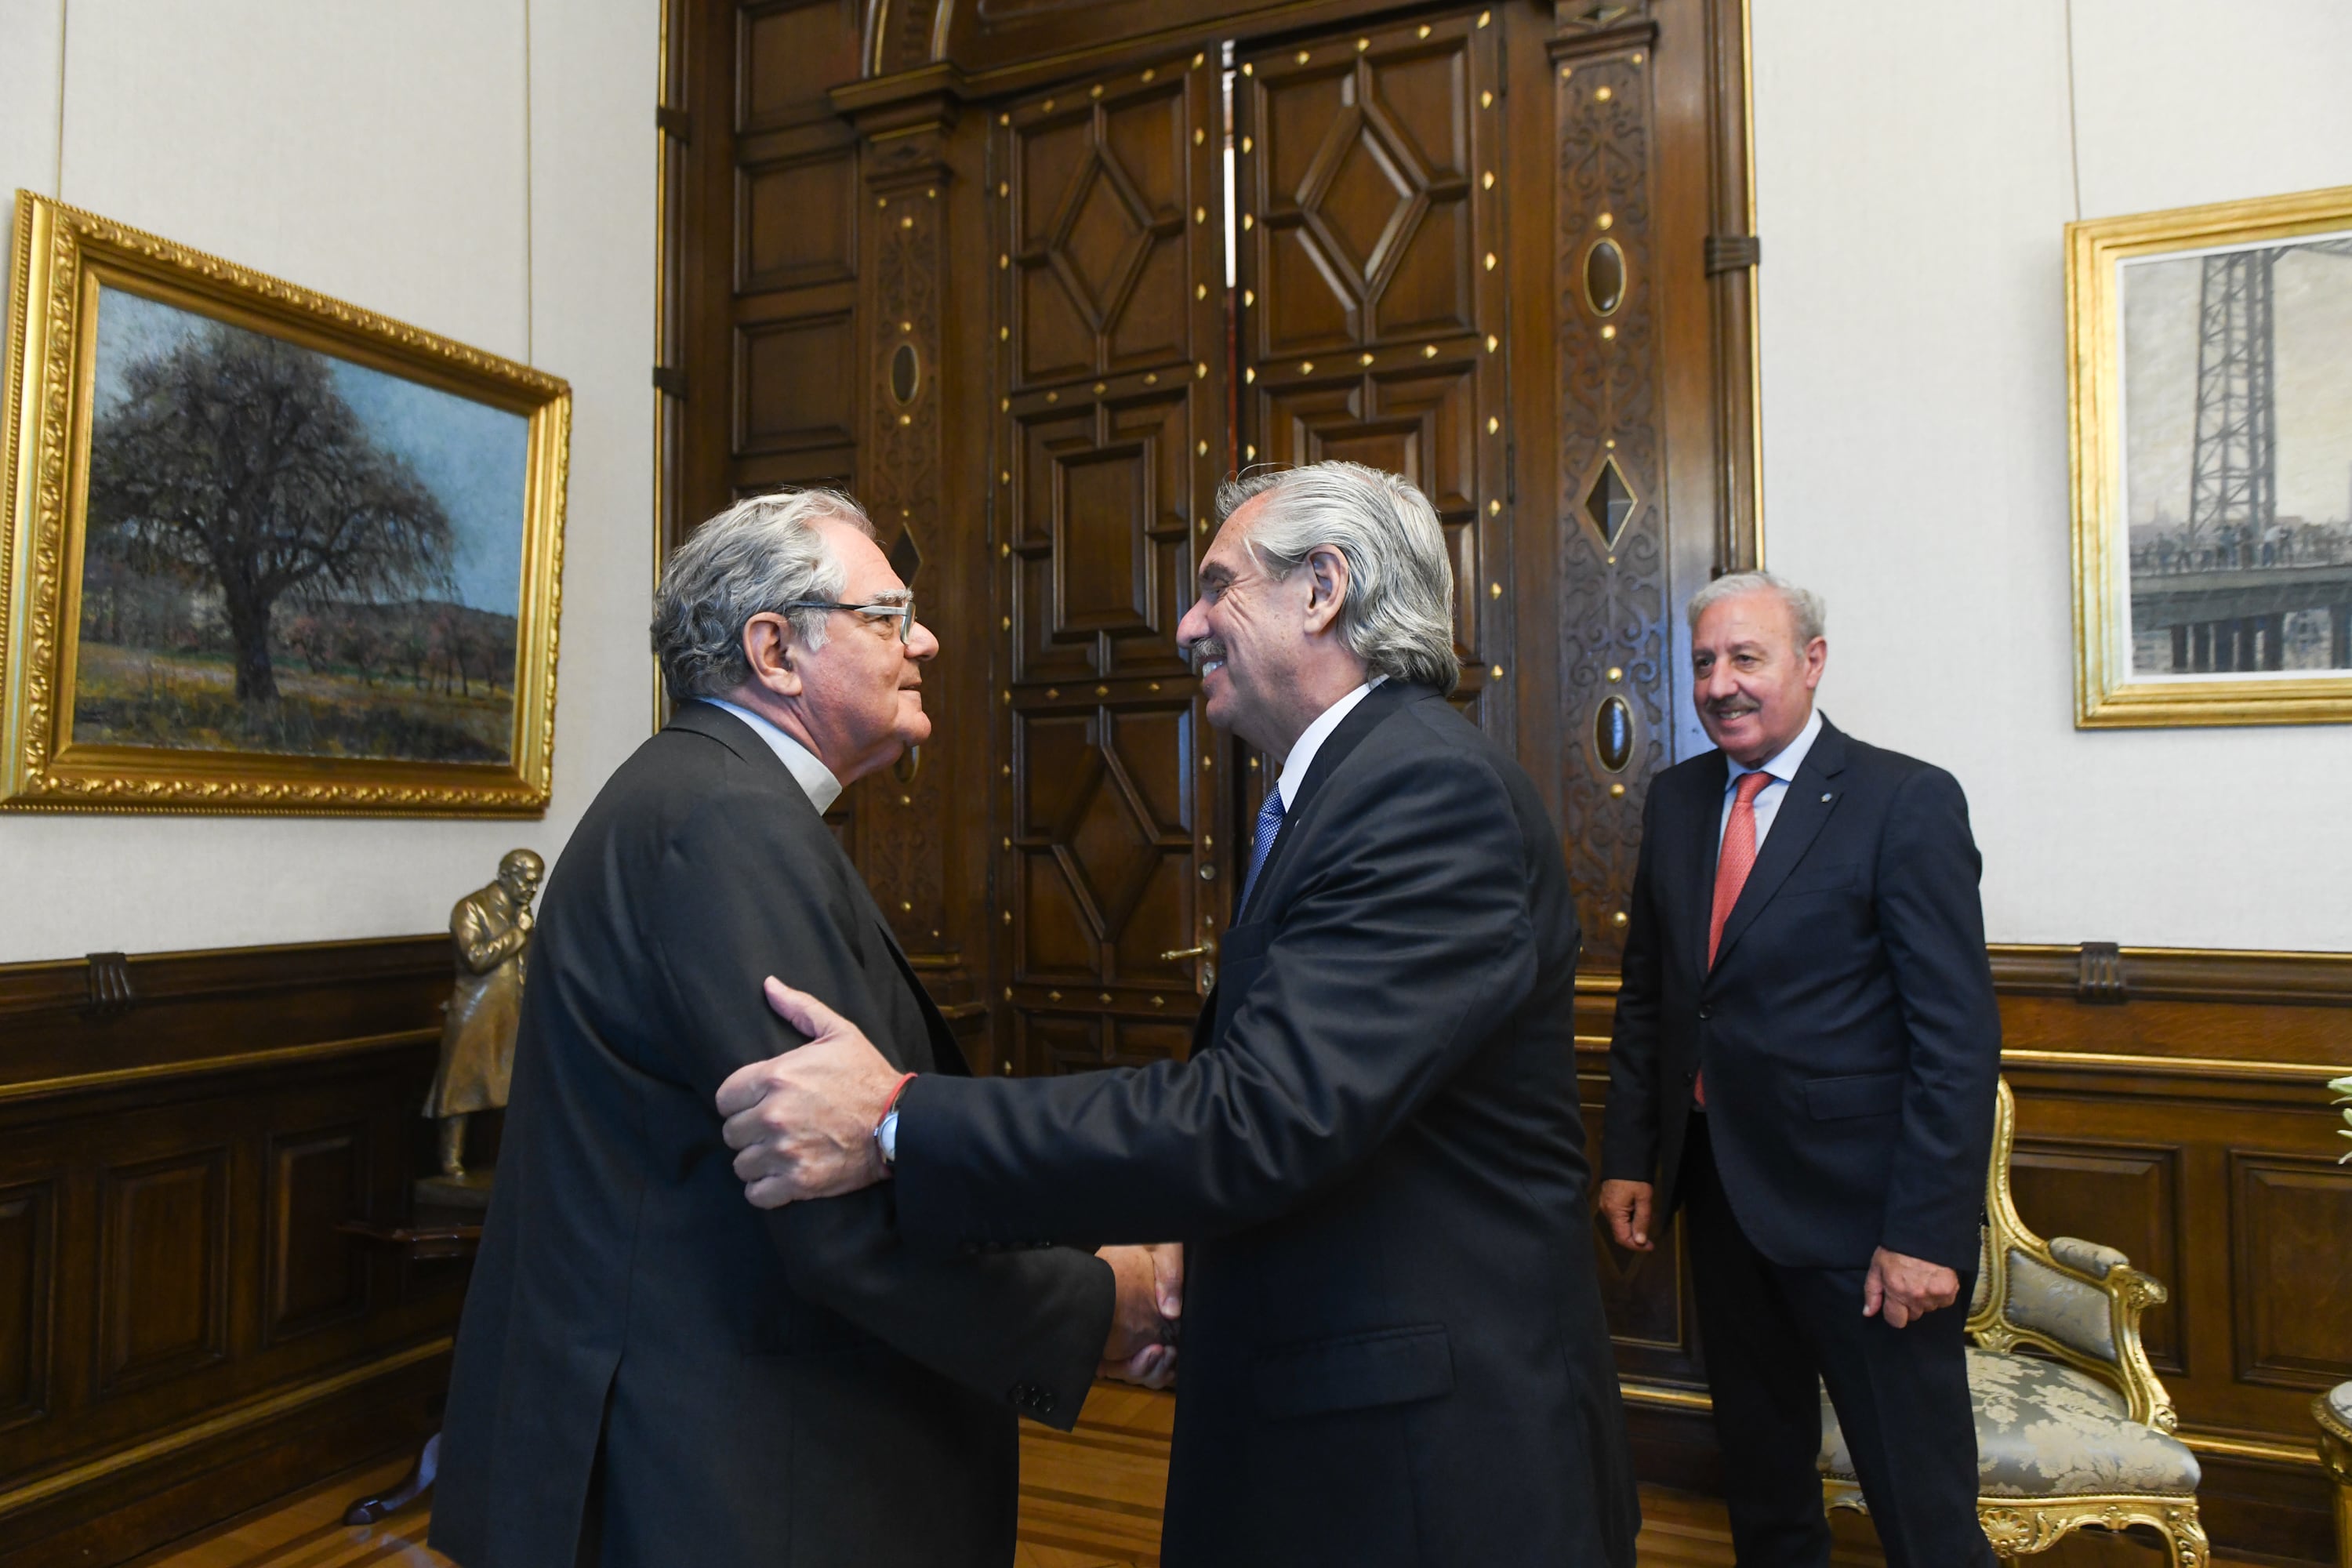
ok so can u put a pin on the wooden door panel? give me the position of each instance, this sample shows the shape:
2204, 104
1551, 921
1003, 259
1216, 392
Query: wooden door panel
1364, 228
1101, 222
1373, 309
1105, 846
1114, 435
1101, 541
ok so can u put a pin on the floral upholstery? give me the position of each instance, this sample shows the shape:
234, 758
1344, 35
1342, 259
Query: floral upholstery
2044, 1430
2059, 1305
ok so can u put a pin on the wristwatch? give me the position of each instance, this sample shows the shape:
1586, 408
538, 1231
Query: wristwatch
886, 1131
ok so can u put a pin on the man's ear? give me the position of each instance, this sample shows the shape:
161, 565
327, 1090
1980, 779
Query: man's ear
1326, 577
773, 653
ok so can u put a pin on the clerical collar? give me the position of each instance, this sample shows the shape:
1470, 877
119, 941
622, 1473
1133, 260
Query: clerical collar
816, 780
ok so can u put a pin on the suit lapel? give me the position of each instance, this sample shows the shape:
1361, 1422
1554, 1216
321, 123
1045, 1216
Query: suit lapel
1805, 807
706, 719
1361, 721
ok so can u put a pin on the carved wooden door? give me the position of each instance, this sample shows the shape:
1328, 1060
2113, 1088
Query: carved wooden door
1111, 435
1371, 306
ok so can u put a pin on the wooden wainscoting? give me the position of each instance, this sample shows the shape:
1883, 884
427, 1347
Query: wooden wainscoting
184, 1331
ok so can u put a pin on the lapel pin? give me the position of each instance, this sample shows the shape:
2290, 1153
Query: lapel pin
1825, 800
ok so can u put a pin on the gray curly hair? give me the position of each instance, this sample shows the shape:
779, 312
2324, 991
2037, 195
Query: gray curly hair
1398, 617
757, 556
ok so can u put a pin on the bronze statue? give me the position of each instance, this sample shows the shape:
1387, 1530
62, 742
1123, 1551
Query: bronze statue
490, 929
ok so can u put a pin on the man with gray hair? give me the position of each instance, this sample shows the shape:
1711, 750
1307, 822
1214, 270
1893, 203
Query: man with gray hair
1394, 1352
649, 1371
1805, 1058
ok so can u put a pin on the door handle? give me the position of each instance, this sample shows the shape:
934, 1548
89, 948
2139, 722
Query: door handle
1174, 953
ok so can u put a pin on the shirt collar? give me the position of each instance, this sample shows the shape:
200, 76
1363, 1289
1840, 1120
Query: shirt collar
1310, 741
1790, 757
816, 780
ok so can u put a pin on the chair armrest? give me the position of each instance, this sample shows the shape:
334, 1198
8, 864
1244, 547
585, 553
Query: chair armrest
2082, 1302
2088, 1258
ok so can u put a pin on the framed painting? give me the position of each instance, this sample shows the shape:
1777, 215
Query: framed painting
2211, 408
266, 552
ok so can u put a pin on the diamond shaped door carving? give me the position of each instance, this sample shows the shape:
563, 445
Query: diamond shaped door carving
1360, 232
1111, 437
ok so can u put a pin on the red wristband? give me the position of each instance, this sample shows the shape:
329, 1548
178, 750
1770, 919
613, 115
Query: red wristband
890, 1104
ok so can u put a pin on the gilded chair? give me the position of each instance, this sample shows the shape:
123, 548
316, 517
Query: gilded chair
2333, 1411
2073, 1427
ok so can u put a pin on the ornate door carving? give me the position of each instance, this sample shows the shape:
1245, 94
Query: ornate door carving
1372, 306
1112, 437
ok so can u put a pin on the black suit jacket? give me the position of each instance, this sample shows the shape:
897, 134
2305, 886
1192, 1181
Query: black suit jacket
1848, 1028
795, 1387
1394, 1351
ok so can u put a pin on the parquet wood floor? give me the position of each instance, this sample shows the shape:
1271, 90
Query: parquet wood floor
1678, 1531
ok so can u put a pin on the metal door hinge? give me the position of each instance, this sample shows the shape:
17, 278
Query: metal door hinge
1730, 252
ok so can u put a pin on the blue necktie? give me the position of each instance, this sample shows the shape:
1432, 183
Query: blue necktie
1269, 825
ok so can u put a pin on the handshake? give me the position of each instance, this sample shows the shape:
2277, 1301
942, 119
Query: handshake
1149, 1282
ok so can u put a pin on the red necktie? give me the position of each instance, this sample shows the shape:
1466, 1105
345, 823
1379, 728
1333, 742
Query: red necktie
1732, 864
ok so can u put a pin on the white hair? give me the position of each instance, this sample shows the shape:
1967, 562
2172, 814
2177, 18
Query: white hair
1806, 611
756, 557
1398, 615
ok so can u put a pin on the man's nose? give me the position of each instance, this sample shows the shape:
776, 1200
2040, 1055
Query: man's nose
1193, 626
921, 646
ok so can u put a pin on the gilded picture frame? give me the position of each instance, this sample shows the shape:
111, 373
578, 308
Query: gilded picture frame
266, 552
2212, 443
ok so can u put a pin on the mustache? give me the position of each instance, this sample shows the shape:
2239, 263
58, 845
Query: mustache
1731, 707
1207, 651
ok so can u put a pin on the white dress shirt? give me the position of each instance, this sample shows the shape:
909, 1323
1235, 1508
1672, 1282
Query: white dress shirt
1782, 767
1312, 739
816, 780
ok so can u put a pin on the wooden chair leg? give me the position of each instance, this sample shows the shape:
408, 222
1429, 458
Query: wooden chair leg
414, 1485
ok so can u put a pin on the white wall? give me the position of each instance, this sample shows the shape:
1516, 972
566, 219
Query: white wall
481, 168
1915, 166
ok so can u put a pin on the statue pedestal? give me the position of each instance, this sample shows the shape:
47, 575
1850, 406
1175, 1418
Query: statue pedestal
471, 1191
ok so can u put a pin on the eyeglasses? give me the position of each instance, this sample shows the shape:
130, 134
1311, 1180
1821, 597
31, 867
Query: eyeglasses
903, 614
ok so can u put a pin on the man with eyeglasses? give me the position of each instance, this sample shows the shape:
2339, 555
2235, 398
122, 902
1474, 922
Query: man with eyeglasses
650, 1370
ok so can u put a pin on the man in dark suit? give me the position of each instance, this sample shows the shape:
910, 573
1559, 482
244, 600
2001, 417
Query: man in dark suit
1393, 1344
1805, 1058
649, 1371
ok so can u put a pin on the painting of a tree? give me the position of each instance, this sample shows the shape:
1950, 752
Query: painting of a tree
268, 551
231, 462
286, 552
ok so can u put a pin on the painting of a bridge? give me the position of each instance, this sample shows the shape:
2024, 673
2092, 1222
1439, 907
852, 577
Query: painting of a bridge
2213, 451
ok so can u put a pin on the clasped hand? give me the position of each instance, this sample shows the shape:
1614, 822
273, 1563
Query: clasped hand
802, 1126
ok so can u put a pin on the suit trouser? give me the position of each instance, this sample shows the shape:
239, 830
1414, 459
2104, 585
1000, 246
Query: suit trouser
1902, 1397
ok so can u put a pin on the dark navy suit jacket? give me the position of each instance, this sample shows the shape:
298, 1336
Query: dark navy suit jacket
1847, 1029
1394, 1352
